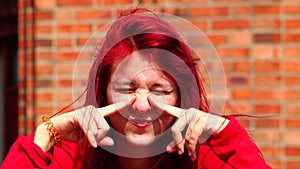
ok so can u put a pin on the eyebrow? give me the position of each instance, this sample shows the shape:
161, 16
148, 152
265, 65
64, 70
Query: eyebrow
156, 84
121, 82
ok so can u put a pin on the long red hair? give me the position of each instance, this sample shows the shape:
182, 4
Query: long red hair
135, 31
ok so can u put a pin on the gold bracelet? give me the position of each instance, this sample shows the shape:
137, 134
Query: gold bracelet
53, 131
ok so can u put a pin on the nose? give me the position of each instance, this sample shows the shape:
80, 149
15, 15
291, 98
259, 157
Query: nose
141, 103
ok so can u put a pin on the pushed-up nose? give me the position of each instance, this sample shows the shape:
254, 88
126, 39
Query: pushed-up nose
141, 103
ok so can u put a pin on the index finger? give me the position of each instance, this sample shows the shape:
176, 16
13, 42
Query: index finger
172, 110
112, 108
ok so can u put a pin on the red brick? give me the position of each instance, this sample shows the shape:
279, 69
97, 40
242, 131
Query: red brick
292, 37
241, 66
241, 10
42, 15
292, 137
267, 66
292, 94
25, 70
26, 44
267, 108
188, 1
226, 66
63, 42
273, 163
267, 38
238, 108
48, 4
228, 1
271, 136
237, 80
74, 28
218, 39
233, 52
43, 29
63, 106
241, 37
292, 108
62, 83
43, 55
268, 95
43, 110
292, 24
209, 11
292, 151
292, 122
292, 9
25, 31
267, 10
241, 94
202, 25
43, 43
292, 164
292, 80
267, 23
74, 3
270, 150
64, 15
292, 66
64, 96
44, 69
44, 96
266, 51
245, 122
46, 83
65, 68
67, 55
93, 14
81, 41
25, 57
267, 122
178, 11
114, 2
269, 80
25, 3
231, 24
292, 52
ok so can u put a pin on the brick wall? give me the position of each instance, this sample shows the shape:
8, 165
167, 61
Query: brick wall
257, 40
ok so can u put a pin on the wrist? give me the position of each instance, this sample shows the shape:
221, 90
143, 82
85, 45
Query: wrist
43, 138
223, 122
215, 124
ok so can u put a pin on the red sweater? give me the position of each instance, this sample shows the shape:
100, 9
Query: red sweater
232, 148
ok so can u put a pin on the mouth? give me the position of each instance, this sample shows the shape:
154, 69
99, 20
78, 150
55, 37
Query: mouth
141, 123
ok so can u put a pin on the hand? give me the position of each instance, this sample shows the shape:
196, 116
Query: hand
200, 126
89, 119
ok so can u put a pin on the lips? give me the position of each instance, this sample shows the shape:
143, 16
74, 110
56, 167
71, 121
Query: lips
141, 123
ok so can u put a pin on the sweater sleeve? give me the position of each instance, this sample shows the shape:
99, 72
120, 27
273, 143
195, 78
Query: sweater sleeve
233, 148
26, 154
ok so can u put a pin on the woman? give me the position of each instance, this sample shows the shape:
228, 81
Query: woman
145, 107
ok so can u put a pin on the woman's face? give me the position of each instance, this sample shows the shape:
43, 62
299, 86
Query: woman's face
140, 78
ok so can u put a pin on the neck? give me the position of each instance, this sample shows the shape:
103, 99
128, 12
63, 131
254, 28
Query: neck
138, 163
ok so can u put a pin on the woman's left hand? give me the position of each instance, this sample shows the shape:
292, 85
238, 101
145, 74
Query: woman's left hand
200, 126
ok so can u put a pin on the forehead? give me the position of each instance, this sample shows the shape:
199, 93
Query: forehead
133, 65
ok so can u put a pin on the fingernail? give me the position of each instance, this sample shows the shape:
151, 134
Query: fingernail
95, 144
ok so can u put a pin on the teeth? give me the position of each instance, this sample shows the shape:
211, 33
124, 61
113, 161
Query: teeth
146, 120
140, 121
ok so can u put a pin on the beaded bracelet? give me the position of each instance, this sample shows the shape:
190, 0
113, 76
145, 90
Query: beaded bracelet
53, 131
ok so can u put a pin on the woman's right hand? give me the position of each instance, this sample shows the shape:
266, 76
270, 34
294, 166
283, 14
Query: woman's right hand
88, 119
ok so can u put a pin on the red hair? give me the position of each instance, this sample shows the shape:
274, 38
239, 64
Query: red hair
135, 31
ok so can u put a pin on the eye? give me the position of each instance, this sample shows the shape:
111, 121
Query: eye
125, 90
160, 92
